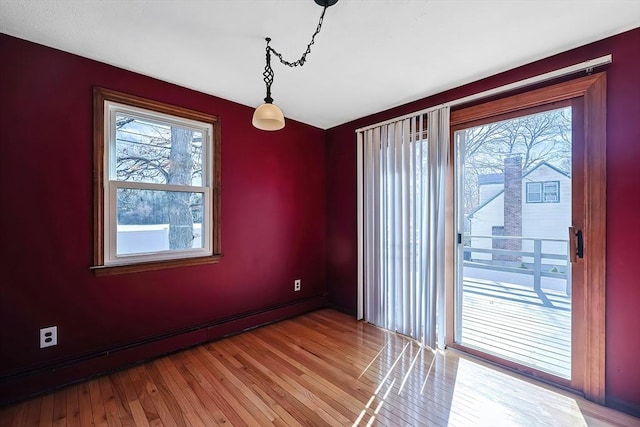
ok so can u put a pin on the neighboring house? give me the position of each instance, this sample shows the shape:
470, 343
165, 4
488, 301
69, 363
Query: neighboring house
538, 206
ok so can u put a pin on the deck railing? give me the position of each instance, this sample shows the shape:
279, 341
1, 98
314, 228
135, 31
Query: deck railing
478, 254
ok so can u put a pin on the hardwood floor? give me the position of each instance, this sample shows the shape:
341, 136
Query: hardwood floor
323, 368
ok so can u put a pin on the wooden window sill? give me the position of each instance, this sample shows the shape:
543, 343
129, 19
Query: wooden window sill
112, 270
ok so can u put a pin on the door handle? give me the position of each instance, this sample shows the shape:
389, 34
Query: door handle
580, 244
576, 244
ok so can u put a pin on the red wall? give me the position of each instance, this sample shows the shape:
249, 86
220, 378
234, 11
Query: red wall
273, 218
623, 200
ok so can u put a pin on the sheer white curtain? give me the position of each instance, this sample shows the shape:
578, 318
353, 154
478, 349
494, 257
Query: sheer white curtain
404, 166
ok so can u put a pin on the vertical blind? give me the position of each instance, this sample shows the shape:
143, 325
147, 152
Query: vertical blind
404, 166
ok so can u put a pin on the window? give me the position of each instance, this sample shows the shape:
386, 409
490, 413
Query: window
543, 192
157, 177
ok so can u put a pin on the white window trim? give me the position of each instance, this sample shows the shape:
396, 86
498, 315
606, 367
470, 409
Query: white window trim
110, 186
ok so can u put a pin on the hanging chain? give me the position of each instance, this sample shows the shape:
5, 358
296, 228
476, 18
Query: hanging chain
300, 62
268, 71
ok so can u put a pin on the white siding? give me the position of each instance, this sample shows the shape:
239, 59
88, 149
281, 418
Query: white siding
539, 220
482, 223
547, 220
487, 191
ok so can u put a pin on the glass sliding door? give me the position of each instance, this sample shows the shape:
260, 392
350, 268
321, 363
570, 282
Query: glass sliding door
527, 246
514, 201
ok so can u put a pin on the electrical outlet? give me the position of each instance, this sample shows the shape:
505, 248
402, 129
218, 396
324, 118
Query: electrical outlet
48, 336
297, 284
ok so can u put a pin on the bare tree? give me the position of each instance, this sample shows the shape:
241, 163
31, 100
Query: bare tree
537, 138
180, 170
149, 152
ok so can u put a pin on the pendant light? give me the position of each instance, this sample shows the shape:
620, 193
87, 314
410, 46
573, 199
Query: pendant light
268, 116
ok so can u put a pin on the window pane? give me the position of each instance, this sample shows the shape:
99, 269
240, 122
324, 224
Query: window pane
148, 151
533, 192
152, 221
551, 192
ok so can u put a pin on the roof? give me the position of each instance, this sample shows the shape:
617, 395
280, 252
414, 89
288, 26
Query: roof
498, 178
491, 178
560, 171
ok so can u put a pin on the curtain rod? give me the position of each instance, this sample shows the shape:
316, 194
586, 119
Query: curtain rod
582, 66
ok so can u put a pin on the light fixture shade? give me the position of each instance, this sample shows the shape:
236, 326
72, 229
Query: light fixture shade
268, 117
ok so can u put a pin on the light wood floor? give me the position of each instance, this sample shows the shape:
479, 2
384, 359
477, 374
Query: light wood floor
323, 368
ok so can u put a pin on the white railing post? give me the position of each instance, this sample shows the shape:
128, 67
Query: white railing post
537, 264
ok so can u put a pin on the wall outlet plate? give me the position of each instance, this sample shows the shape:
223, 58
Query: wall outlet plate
297, 285
48, 336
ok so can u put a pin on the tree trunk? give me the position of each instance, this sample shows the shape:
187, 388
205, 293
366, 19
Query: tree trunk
180, 169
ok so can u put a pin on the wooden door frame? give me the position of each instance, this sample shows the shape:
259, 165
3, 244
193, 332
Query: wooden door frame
589, 367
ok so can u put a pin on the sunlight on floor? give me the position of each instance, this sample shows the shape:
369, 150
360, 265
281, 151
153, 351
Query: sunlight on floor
376, 393
485, 396
479, 395
390, 378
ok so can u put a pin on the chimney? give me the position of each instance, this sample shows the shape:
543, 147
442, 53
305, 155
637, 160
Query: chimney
513, 203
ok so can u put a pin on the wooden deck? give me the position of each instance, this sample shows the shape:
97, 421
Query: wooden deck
529, 327
320, 369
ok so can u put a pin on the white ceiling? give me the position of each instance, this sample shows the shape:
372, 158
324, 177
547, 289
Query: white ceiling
371, 55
